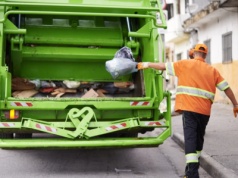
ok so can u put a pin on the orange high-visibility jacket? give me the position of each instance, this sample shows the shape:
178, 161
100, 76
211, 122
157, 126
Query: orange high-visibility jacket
197, 82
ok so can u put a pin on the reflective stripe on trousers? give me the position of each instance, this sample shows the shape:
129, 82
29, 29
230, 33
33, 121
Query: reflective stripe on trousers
191, 158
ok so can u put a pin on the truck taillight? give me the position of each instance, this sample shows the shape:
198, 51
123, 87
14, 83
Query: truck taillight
11, 114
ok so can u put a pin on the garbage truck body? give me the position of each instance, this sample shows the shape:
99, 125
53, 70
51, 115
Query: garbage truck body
46, 44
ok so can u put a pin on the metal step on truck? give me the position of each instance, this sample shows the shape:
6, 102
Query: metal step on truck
46, 43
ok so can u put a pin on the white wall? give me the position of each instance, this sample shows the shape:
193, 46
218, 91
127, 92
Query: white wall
183, 48
175, 32
174, 28
214, 31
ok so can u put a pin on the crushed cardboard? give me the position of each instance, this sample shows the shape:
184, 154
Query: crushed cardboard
58, 92
93, 94
90, 94
122, 84
22, 84
24, 94
101, 92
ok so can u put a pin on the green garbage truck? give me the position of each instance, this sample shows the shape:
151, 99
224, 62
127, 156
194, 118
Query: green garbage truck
47, 43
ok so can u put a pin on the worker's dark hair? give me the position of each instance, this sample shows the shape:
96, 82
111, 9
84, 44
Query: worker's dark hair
200, 53
203, 55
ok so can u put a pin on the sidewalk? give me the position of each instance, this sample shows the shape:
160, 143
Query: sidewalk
220, 153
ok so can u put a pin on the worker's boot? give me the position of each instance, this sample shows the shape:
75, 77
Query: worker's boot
191, 170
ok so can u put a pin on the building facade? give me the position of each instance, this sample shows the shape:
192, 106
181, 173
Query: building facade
212, 22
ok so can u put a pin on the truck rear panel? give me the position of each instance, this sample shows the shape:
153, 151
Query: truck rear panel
49, 41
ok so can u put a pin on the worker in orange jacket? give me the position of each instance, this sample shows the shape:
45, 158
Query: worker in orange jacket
197, 83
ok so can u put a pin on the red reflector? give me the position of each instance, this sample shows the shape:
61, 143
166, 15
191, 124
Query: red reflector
11, 114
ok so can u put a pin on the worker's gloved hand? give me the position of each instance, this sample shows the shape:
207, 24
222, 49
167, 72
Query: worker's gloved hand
142, 65
235, 110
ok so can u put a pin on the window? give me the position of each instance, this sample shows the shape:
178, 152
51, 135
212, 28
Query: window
227, 48
179, 56
170, 9
186, 6
208, 44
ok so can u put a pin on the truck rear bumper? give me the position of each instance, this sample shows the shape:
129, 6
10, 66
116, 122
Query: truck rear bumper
65, 143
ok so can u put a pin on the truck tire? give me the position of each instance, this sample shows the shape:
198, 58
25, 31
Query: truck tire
23, 135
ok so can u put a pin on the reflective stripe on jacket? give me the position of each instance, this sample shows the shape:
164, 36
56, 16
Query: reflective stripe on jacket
197, 82
195, 92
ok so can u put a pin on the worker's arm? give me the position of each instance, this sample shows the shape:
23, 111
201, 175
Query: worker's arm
229, 93
153, 65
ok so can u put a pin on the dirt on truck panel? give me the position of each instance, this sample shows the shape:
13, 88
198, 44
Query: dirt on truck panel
68, 74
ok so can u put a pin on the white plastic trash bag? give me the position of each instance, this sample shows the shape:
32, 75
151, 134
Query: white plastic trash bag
124, 52
123, 63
